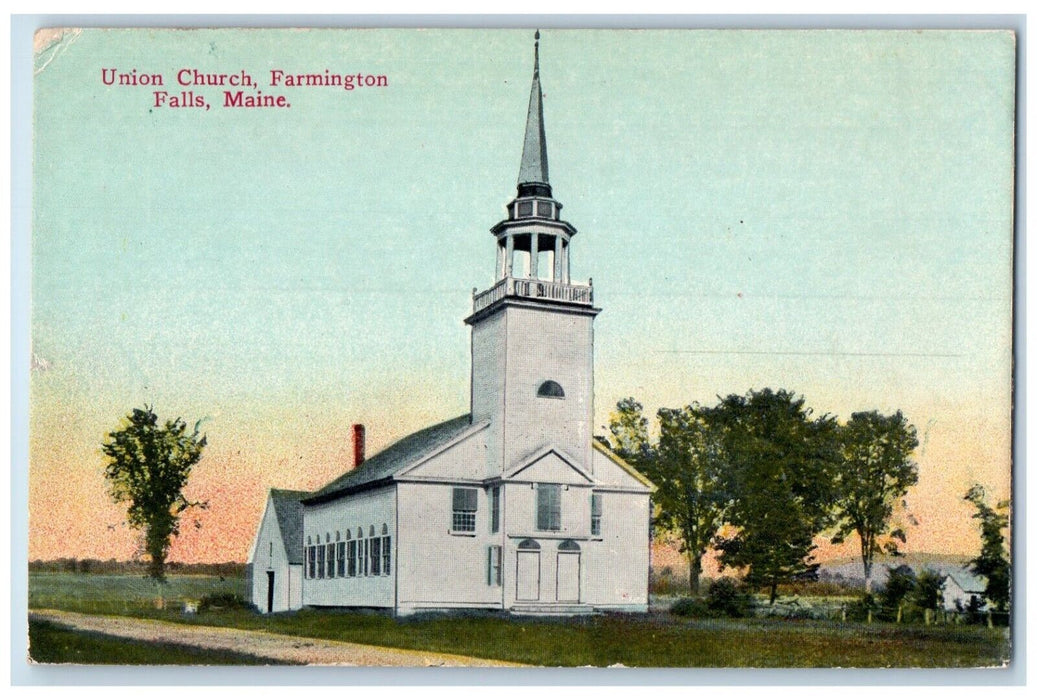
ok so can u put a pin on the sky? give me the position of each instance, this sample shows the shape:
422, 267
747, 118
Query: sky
828, 212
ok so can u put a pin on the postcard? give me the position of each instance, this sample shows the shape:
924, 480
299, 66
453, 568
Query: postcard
522, 347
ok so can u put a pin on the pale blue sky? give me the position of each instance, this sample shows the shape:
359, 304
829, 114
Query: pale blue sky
828, 212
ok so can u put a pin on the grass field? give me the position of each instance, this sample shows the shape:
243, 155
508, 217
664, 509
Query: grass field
653, 640
121, 593
51, 643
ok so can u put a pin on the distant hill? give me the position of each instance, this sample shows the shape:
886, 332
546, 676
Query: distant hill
851, 570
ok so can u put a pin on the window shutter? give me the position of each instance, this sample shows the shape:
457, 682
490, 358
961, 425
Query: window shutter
596, 505
543, 508
489, 565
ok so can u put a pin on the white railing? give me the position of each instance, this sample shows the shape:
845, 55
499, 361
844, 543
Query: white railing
533, 289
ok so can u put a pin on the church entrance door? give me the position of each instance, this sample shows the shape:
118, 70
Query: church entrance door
568, 577
527, 579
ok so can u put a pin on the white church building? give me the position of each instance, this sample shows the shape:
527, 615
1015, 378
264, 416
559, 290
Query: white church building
514, 506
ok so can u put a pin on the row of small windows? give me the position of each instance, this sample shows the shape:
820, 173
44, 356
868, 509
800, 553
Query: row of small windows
544, 209
370, 556
548, 509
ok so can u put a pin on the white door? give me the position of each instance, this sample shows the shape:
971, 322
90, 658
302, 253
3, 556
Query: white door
527, 578
568, 577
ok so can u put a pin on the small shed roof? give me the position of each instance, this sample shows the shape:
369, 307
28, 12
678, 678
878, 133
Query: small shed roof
386, 463
968, 581
288, 508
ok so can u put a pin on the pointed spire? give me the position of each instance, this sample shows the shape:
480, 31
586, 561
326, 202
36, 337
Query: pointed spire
534, 148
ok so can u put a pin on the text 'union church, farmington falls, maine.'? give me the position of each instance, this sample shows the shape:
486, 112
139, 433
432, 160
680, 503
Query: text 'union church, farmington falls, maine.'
514, 506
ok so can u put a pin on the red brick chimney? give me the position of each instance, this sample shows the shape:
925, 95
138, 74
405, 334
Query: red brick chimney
358, 444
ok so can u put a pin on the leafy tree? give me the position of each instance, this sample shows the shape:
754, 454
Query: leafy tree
992, 561
780, 465
929, 590
688, 473
684, 466
148, 467
629, 429
901, 584
875, 472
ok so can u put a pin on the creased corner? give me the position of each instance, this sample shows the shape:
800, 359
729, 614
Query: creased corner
50, 42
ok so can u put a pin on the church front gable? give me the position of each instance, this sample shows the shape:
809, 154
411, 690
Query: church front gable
551, 466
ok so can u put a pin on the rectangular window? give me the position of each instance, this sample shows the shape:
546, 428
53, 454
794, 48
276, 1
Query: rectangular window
465, 504
320, 561
386, 555
352, 558
494, 566
361, 564
595, 513
376, 556
331, 560
495, 509
341, 559
549, 507
311, 562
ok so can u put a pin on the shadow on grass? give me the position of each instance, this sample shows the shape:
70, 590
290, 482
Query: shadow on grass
51, 643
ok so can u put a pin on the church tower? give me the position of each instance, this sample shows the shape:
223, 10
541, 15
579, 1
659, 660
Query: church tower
532, 331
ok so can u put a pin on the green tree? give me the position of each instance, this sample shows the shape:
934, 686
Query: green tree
687, 471
148, 467
629, 430
875, 472
992, 562
901, 585
929, 590
780, 466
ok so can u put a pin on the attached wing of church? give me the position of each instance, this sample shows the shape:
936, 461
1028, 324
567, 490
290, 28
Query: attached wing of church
513, 506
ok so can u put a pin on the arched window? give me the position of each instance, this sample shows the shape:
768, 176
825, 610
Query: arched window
362, 547
386, 551
351, 554
337, 536
529, 544
568, 546
370, 532
551, 389
309, 540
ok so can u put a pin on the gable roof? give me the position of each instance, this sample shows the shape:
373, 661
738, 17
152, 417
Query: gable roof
530, 460
288, 509
968, 581
382, 466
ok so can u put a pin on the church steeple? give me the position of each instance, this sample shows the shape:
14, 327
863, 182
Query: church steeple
532, 178
532, 330
533, 241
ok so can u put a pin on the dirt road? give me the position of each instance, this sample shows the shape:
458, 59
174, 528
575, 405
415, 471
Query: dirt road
318, 652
